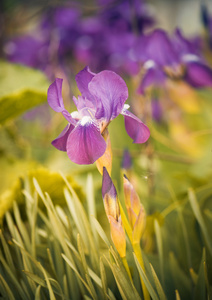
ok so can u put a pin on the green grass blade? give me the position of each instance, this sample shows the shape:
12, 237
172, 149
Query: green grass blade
196, 209
7, 290
159, 288
146, 280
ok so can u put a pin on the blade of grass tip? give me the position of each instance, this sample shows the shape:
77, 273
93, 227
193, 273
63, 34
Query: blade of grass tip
58, 262
177, 295
200, 288
160, 248
145, 280
73, 249
8, 292
84, 226
63, 216
37, 188
103, 279
82, 254
98, 281
159, 288
25, 287
51, 262
91, 206
37, 293
183, 226
7, 253
33, 226
28, 268
125, 286
76, 272
209, 290
84, 220
65, 287
194, 276
56, 286
196, 210
77, 216
51, 293
13, 279
101, 232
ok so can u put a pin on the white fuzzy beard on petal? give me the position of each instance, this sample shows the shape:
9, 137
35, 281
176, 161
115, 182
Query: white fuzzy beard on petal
85, 120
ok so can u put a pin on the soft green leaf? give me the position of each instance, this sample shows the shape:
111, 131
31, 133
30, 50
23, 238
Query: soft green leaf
21, 89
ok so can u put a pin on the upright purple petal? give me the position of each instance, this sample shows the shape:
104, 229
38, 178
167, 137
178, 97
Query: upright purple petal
82, 79
85, 143
54, 95
198, 75
61, 141
136, 129
110, 92
160, 49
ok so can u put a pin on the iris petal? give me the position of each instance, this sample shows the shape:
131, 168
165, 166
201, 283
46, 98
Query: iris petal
136, 129
110, 92
82, 79
85, 143
54, 95
198, 75
61, 141
153, 76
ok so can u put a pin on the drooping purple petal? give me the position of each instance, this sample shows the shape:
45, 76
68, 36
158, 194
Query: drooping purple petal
110, 92
54, 95
82, 79
85, 143
153, 77
61, 141
136, 129
198, 75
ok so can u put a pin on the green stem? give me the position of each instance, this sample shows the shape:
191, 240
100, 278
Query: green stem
125, 263
138, 254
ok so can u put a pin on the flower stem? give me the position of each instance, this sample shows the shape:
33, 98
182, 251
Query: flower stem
138, 254
125, 263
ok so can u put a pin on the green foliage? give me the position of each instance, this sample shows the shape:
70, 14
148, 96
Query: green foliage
59, 254
21, 88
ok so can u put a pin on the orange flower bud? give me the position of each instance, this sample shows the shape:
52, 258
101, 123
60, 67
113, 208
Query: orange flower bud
135, 210
118, 235
106, 159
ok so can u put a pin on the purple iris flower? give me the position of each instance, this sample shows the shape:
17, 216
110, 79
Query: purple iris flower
102, 99
173, 57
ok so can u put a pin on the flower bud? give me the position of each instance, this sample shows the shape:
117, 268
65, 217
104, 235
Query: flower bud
106, 159
112, 210
135, 210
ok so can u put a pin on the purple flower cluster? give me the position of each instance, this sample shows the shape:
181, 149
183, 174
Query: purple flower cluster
102, 99
103, 41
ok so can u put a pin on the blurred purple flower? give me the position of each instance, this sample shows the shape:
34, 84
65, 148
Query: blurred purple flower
27, 50
176, 57
102, 99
